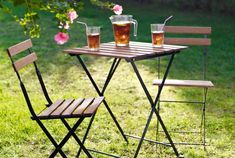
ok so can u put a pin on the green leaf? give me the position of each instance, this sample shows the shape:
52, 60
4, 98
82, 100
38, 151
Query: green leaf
7, 10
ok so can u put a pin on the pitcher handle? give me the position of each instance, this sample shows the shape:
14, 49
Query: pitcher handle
135, 26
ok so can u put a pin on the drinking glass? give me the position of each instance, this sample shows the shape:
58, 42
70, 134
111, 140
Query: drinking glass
93, 38
157, 31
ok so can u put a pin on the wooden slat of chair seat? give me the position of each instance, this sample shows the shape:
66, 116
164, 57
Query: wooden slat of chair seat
93, 107
185, 83
71, 108
79, 110
187, 29
19, 64
50, 109
20, 47
62, 107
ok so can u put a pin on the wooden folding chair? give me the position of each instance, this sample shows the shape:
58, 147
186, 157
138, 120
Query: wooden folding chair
203, 42
61, 109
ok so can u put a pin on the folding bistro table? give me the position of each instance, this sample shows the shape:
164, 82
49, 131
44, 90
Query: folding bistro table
134, 52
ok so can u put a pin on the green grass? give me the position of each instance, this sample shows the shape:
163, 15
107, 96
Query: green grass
64, 78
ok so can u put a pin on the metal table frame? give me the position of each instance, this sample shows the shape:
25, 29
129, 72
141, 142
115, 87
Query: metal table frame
101, 93
152, 102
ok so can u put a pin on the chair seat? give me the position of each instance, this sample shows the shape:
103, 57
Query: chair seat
71, 108
185, 83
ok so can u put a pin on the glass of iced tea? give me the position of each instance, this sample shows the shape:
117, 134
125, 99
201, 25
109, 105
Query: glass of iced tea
93, 38
121, 28
157, 31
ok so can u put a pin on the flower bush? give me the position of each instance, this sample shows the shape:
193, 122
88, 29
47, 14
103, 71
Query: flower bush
65, 12
62, 36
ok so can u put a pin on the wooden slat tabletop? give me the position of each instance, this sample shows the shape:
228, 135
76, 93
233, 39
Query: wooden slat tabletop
135, 50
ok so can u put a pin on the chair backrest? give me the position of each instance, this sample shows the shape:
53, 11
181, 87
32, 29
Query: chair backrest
31, 58
19, 48
201, 39
205, 41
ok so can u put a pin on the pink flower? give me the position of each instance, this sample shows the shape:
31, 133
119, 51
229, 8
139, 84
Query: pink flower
61, 38
117, 9
72, 15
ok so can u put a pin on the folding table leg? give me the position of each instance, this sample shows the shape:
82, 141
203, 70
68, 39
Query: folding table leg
153, 106
157, 128
101, 92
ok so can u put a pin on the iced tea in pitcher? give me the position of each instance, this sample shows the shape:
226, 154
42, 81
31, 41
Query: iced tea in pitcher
122, 32
121, 28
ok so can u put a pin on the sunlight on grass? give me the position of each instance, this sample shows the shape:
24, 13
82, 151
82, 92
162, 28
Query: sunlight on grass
65, 78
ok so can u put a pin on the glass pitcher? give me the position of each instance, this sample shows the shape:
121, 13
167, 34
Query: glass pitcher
121, 28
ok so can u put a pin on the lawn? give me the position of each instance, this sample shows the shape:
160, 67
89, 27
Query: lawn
64, 77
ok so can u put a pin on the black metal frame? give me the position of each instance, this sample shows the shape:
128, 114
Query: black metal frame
152, 103
203, 117
101, 93
153, 106
71, 130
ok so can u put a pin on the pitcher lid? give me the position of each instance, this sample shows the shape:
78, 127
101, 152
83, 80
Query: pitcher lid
120, 16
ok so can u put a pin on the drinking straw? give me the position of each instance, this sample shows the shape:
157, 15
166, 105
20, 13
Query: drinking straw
83, 24
167, 19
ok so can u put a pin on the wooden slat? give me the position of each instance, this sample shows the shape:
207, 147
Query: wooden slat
145, 47
98, 53
72, 107
51, 108
189, 41
19, 64
93, 107
136, 50
185, 83
62, 107
79, 110
187, 29
127, 51
20, 47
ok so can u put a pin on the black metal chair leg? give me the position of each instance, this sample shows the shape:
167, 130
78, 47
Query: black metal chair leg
49, 137
203, 119
81, 144
66, 138
157, 130
85, 136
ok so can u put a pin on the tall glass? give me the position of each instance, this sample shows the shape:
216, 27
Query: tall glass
121, 28
157, 31
93, 38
